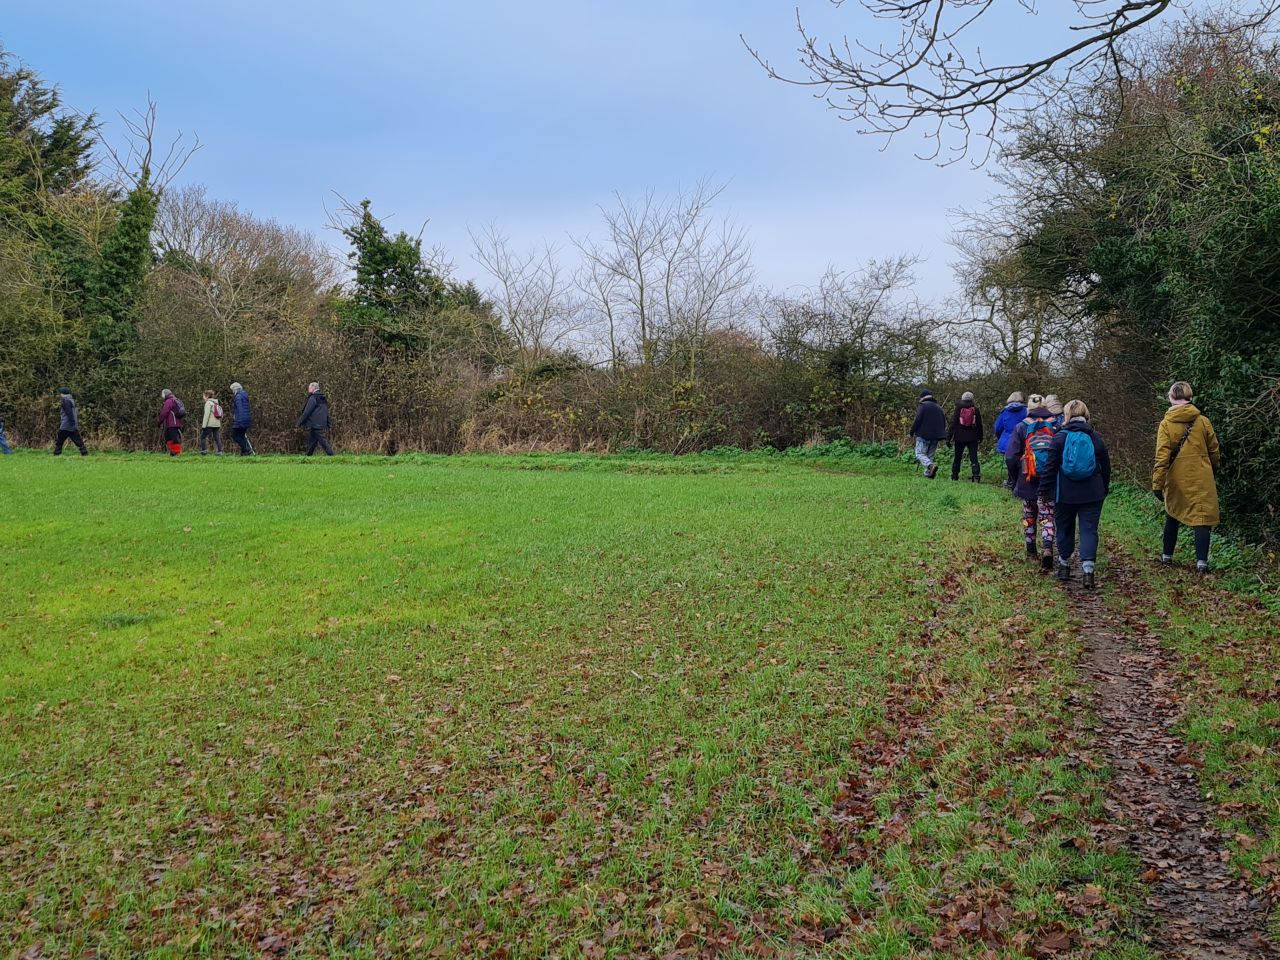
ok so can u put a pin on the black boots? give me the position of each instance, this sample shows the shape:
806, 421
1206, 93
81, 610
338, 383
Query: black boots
1087, 580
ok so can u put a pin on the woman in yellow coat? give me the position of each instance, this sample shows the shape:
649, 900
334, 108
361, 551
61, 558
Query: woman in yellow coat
1186, 456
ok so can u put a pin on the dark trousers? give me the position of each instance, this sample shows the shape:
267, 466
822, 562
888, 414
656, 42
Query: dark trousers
960, 447
1087, 515
319, 438
74, 437
4, 443
210, 432
241, 436
1013, 473
1203, 534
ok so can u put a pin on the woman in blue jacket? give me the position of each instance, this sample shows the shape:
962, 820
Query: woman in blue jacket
1077, 478
1013, 414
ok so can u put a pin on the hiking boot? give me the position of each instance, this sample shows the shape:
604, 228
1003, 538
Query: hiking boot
975, 479
1046, 562
1202, 566
1087, 580
1165, 559
1064, 571
931, 471
1032, 553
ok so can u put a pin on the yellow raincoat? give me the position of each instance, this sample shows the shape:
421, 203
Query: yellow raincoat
1190, 494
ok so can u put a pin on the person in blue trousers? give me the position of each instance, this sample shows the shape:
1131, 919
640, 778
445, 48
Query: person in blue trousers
4, 441
1077, 478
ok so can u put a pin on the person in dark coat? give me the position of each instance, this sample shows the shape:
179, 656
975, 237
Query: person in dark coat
928, 429
1036, 510
1077, 499
68, 424
241, 420
965, 433
315, 418
170, 422
1014, 412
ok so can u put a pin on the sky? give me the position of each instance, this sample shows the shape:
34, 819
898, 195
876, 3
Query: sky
526, 116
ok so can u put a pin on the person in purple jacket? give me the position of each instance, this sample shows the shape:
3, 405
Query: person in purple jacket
170, 420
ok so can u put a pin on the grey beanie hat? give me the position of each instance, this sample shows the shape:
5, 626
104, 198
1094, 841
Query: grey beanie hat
967, 395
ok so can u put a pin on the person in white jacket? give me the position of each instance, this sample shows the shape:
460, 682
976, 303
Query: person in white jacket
211, 425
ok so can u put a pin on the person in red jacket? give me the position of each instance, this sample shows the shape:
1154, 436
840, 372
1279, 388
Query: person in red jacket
170, 420
965, 433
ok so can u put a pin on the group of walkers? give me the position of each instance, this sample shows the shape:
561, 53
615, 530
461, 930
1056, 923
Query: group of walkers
1060, 469
172, 421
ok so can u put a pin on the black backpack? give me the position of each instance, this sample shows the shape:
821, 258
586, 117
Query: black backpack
179, 409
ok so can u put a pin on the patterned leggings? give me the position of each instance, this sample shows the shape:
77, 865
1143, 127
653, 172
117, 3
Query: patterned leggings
1042, 511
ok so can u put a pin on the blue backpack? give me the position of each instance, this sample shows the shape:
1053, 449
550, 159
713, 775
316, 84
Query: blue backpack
1079, 459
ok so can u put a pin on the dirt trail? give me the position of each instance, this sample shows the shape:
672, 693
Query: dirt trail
1196, 907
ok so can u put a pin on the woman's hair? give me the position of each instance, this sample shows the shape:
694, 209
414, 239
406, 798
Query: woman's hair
1035, 400
208, 394
1075, 408
166, 392
1181, 390
1015, 397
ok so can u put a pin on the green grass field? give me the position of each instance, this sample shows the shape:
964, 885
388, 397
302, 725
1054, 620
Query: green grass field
544, 706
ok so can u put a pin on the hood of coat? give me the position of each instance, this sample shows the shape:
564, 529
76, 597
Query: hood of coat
1078, 426
1018, 409
1042, 413
967, 403
1183, 414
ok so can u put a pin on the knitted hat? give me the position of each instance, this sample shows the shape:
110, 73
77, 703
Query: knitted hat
1053, 403
967, 395
925, 392
1015, 397
1035, 400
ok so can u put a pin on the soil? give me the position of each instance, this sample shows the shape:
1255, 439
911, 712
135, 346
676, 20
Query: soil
1196, 906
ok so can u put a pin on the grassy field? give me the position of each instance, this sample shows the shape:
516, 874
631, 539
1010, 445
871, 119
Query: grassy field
545, 706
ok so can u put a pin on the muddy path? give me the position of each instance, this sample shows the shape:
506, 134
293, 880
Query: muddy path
1196, 907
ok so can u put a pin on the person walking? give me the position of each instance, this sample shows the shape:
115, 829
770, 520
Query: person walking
1013, 413
241, 420
1054, 406
211, 425
1077, 478
315, 417
1027, 453
965, 433
172, 413
4, 441
68, 423
1187, 454
928, 430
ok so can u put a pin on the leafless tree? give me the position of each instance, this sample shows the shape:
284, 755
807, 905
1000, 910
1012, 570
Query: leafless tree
531, 292
665, 274
242, 271
137, 161
935, 75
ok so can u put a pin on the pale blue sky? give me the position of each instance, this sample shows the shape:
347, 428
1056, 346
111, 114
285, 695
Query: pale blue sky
527, 115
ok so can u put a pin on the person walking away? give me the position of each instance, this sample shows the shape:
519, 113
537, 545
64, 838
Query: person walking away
172, 413
315, 417
241, 420
1054, 406
1187, 454
4, 441
1027, 453
68, 424
1077, 478
211, 424
928, 430
965, 433
1013, 414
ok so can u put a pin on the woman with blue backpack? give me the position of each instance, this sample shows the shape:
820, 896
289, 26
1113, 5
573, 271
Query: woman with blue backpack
1077, 477
1026, 457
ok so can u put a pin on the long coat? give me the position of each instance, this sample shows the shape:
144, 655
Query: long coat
1190, 494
